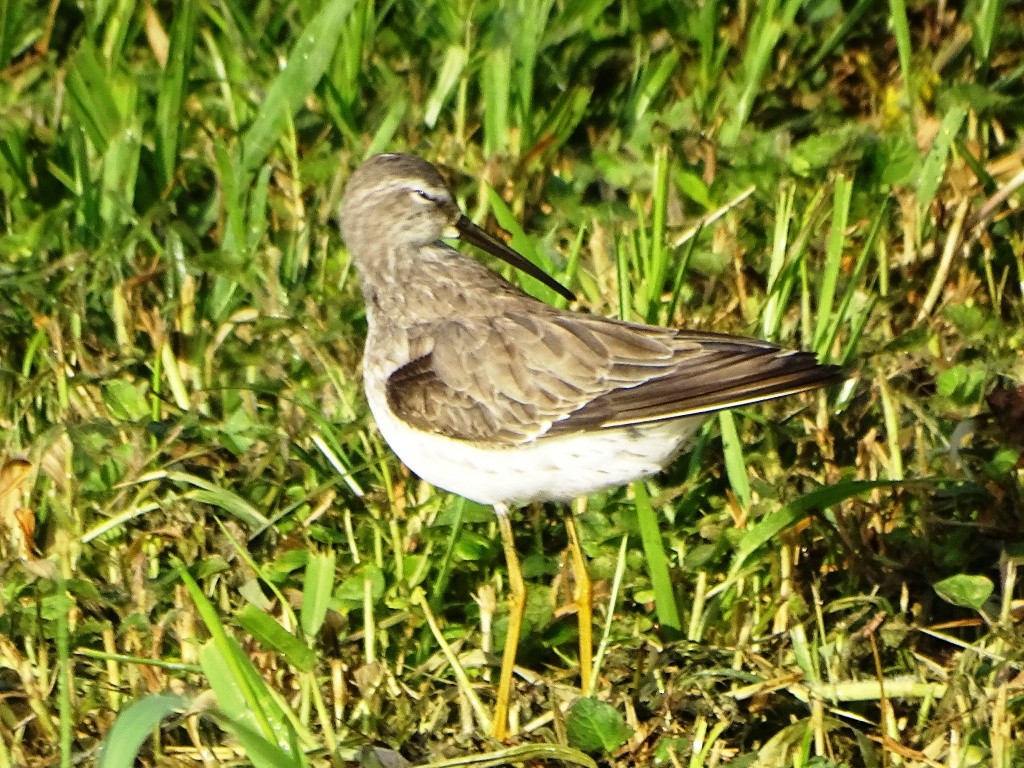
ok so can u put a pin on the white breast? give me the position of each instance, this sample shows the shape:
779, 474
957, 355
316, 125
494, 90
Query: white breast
550, 469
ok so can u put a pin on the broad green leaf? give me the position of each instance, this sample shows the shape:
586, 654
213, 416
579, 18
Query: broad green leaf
261, 753
472, 546
965, 590
242, 694
352, 589
125, 401
595, 726
962, 383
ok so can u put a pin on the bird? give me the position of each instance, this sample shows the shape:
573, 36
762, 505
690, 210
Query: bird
489, 393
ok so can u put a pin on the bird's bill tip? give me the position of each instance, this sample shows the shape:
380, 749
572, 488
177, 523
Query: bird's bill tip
474, 235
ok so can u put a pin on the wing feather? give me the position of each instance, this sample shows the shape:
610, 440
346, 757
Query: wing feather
516, 377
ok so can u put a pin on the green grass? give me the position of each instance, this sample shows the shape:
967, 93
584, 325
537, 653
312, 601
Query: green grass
206, 548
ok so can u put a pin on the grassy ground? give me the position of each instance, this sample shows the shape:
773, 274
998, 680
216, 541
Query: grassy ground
203, 533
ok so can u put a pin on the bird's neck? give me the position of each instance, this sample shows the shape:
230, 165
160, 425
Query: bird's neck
437, 283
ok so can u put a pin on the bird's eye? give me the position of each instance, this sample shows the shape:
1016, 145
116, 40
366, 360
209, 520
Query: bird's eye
423, 195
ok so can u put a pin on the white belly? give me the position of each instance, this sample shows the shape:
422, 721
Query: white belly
550, 469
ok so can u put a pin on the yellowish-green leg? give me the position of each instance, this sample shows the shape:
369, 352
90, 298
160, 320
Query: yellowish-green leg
584, 605
516, 606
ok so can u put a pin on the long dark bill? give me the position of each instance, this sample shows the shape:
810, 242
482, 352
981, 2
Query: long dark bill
473, 235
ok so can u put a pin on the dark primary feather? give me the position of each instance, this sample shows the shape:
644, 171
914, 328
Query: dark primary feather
521, 376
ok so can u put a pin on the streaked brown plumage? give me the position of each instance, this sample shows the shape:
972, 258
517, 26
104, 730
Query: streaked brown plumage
492, 394
552, 373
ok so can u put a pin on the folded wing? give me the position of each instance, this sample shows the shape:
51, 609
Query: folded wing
530, 376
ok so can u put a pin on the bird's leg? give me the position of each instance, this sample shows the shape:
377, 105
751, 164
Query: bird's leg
516, 606
584, 604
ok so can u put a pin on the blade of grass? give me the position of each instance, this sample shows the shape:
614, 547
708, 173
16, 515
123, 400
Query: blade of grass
113, 29
495, 84
572, 263
219, 64
949, 250
465, 687
444, 572
121, 165
90, 97
385, 132
219, 303
561, 120
250, 710
848, 312
521, 242
348, 59
657, 561
901, 30
211, 493
527, 42
857, 326
653, 82
890, 414
658, 262
934, 167
307, 63
134, 724
455, 60
766, 30
269, 633
317, 586
828, 283
243, 696
613, 597
778, 290
735, 464
706, 31
65, 672
622, 275
840, 33
775, 522
681, 267
173, 87
985, 23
